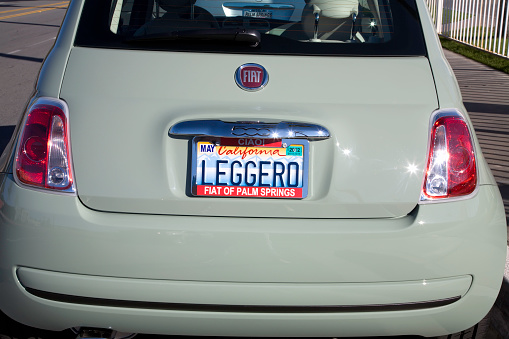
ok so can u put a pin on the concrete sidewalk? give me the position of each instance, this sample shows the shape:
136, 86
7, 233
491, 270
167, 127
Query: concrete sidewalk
486, 97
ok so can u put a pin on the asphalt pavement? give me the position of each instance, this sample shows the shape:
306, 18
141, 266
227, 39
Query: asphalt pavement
27, 31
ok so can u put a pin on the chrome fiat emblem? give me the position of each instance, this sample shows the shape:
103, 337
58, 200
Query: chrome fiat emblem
251, 77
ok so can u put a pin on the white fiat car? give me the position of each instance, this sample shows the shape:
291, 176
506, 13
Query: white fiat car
186, 170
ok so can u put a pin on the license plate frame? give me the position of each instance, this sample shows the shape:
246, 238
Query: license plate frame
257, 13
291, 179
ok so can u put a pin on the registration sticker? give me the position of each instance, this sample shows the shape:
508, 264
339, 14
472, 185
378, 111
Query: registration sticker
250, 167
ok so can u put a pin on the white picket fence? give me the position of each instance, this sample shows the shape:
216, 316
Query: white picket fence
480, 23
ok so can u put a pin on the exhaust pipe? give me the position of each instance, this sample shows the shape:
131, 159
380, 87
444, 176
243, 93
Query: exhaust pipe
95, 333
100, 333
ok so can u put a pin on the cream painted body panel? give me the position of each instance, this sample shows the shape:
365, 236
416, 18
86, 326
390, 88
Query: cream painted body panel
250, 260
377, 111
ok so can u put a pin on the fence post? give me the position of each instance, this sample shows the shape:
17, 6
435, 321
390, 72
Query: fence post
440, 15
502, 21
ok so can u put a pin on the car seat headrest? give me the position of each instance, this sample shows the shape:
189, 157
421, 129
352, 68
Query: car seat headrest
337, 9
169, 5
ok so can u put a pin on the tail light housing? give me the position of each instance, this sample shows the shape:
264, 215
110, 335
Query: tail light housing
43, 157
451, 170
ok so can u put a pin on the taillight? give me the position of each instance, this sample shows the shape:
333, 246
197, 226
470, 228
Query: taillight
43, 158
451, 169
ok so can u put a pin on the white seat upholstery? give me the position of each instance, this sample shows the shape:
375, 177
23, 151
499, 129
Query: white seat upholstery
337, 9
335, 18
180, 14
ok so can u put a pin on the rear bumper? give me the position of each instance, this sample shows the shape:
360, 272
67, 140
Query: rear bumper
435, 271
242, 297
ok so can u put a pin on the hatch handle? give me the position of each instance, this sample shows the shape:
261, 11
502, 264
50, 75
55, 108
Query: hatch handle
249, 129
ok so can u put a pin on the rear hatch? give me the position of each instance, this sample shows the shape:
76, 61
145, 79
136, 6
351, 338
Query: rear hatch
124, 102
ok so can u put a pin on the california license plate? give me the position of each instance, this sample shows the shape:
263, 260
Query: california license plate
258, 13
254, 168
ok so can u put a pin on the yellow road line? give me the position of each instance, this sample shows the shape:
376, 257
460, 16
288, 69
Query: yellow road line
25, 8
40, 9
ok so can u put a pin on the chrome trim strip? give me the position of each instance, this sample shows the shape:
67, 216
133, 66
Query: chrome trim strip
249, 129
73, 299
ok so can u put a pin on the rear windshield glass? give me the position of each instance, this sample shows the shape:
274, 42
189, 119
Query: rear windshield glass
302, 27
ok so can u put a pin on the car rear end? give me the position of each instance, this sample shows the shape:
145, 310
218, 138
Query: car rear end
249, 175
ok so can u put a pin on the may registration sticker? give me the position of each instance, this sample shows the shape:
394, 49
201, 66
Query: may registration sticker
248, 167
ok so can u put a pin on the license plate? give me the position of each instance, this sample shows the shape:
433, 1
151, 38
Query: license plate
258, 13
254, 168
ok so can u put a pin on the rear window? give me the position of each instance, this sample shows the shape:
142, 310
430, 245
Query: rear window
299, 27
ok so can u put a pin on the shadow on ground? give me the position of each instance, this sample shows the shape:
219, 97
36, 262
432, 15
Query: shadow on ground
11, 329
5, 136
504, 191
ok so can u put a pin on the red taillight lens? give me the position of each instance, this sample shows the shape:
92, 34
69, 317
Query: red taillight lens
43, 157
451, 169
